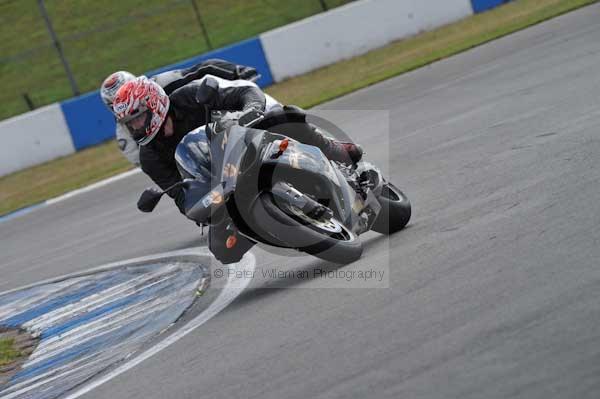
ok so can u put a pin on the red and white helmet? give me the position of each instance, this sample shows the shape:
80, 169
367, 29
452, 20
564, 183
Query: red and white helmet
111, 84
142, 105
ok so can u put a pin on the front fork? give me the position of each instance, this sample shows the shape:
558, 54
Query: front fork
365, 210
286, 195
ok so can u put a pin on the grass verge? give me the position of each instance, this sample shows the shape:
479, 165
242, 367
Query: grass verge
33, 185
99, 37
8, 353
48, 180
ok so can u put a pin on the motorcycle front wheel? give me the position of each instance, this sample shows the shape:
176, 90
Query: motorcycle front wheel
326, 239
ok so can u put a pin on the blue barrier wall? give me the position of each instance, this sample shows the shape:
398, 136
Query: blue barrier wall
91, 123
484, 5
88, 120
249, 52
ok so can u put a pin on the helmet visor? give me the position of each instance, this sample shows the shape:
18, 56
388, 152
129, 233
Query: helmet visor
139, 124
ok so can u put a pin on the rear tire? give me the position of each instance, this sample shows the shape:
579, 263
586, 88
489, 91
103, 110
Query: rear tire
395, 210
330, 241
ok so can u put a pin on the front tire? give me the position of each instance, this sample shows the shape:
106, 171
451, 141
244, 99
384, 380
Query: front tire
395, 210
329, 240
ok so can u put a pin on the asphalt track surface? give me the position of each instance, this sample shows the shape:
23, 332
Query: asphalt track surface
493, 288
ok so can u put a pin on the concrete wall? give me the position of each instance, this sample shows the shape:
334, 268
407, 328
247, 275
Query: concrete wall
352, 30
33, 138
484, 5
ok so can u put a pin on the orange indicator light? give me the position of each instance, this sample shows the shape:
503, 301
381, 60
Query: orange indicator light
231, 241
284, 145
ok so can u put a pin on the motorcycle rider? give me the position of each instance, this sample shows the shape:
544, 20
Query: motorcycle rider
170, 81
158, 122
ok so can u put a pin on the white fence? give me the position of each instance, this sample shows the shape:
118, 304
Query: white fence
352, 30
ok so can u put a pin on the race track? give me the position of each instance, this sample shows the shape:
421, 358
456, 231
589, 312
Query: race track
493, 287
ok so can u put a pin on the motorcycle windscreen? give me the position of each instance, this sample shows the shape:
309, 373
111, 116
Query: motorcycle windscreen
303, 157
228, 149
193, 156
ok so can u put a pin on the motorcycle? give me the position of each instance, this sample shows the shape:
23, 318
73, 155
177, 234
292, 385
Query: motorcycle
269, 188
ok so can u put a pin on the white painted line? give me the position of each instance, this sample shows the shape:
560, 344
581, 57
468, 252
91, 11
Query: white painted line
24, 211
94, 186
21, 211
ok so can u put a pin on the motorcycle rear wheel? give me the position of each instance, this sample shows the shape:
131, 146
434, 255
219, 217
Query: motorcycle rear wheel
395, 210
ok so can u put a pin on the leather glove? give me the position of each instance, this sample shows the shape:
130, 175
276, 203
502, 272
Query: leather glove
250, 117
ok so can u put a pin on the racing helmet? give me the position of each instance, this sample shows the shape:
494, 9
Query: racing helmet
111, 84
142, 106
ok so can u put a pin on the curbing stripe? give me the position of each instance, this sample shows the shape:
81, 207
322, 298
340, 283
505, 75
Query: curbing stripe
21, 212
37, 376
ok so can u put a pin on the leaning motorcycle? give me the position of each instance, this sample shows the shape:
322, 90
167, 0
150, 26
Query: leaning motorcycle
272, 189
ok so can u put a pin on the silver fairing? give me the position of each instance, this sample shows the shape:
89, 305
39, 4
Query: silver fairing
193, 156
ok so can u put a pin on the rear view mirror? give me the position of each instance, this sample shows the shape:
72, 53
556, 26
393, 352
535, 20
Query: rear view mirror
149, 199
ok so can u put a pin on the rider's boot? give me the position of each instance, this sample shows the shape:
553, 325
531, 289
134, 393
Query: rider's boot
348, 153
293, 123
334, 150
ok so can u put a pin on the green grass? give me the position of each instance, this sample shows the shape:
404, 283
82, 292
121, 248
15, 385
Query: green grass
99, 37
51, 179
57, 177
7, 351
